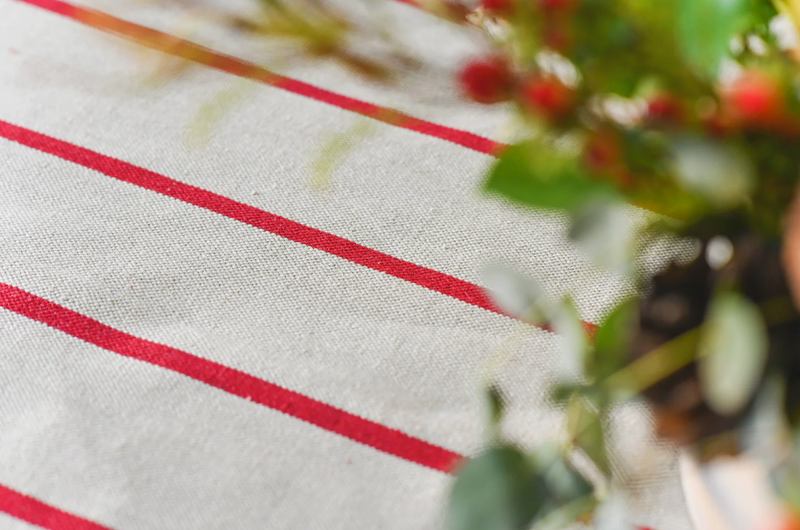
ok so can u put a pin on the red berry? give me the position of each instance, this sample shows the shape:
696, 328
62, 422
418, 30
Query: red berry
603, 155
602, 151
500, 7
558, 6
558, 37
755, 99
487, 81
548, 97
664, 109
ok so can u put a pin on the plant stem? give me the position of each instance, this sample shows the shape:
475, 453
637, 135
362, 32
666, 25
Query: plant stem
656, 364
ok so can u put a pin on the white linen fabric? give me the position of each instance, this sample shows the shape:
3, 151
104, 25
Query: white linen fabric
129, 445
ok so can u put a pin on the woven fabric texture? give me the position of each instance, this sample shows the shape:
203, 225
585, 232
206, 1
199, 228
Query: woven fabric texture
197, 338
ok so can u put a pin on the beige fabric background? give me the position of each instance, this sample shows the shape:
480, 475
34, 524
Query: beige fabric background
133, 446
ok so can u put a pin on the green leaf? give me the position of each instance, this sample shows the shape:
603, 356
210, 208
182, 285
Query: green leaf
564, 485
761, 15
585, 429
715, 171
495, 404
539, 175
705, 29
561, 393
574, 342
498, 490
567, 515
733, 352
766, 433
612, 341
336, 150
515, 293
607, 234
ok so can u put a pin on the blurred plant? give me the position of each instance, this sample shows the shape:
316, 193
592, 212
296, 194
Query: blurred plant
687, 108
297, 30
690, 109
284, 33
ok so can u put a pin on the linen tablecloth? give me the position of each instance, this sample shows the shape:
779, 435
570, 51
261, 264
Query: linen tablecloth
196, 337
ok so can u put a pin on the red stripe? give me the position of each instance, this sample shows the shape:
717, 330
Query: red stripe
188, 50
229, 380
36, 512
338, 246
312, 237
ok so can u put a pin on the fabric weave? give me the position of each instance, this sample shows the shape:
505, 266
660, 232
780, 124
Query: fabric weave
129, 444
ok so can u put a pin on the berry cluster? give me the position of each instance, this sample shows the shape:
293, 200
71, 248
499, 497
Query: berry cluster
492, 80
626, 105
489, 80
758, 101
754, 102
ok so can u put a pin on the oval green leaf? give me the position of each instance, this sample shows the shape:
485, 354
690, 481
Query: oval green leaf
498, 490
733, 351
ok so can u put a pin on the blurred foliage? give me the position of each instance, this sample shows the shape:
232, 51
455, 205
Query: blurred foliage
687, 108
336, 149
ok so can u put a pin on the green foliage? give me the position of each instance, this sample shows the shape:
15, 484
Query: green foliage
605, 233
761, 13
621, 100
612, 342
585, 429
733, 352
336, 149
516, 294
498, 490
717, 172
627, 105
504, 489
566, 489
567, 324
539, 175
705, 29
653, 125
495, 405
